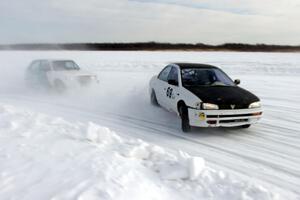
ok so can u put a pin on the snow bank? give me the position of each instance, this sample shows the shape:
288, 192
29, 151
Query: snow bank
42, 157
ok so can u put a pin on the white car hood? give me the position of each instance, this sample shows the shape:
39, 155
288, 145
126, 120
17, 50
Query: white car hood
76, 73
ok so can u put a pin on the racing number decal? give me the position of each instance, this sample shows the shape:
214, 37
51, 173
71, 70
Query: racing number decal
169, 92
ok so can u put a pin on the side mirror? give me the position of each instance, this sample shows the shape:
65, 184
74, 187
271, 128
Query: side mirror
237, 81
173, 82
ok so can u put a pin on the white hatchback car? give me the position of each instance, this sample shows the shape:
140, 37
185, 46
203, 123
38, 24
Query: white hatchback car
204, 96
58, 74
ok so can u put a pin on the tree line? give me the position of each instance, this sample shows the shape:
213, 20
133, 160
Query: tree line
152, 46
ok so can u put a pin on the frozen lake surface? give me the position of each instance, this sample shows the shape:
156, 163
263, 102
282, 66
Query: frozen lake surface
268, 153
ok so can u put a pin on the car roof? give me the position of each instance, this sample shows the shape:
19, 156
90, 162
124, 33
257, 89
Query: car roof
195, 65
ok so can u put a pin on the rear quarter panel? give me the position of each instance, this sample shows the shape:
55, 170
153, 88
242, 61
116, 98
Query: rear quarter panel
152, 84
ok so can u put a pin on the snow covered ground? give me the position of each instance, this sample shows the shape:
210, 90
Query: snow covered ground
57, 146
49, 158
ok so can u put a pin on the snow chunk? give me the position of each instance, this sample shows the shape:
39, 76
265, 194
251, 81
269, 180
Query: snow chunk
139, 152
101, 135
185, 167
173, 172
256, 192
196, 166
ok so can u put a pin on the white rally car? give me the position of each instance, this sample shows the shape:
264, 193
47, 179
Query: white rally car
58, 74
204, 96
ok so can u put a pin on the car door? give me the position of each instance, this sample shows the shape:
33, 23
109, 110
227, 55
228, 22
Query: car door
44, 68
172, 92
32, 73
161, 86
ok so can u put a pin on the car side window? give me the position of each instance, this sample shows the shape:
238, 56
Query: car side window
173, 75
164, 74
45, 66
34, 67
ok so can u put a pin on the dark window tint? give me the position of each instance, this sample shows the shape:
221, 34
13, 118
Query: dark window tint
173, 75
205, 77
164, 74
45, 66
65, 65
34, 66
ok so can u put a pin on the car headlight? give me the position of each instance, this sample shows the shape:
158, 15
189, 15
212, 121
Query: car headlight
209, 106
255, 105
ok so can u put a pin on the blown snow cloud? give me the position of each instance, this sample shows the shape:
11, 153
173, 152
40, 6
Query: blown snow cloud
250, 21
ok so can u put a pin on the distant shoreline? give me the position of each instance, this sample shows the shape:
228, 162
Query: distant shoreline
149, 46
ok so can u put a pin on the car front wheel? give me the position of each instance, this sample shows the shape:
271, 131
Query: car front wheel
185, 125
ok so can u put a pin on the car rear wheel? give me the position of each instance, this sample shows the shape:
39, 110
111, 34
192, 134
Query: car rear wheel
153, 98
185, 124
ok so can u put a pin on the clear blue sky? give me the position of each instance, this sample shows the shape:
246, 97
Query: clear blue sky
192, 21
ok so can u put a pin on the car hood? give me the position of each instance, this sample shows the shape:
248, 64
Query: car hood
227, 97
77, 73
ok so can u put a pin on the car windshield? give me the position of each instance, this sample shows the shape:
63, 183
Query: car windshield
205, 77
65, 65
